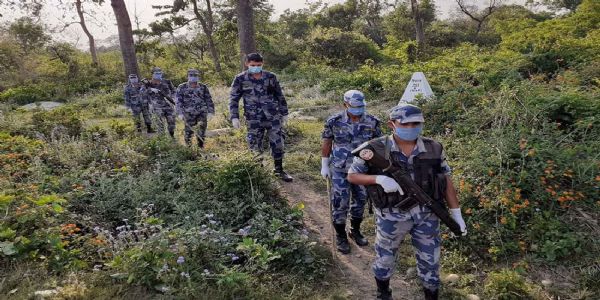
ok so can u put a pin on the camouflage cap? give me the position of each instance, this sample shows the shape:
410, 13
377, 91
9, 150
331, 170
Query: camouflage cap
156, 70
133, 76
406, 113
354, 98
193, 72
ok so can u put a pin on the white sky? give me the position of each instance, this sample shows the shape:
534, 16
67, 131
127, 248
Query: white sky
104, 26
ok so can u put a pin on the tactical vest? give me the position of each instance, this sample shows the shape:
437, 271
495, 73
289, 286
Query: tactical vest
426, 167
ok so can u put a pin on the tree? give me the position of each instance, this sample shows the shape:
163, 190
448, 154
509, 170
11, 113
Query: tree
419, 30
125, 37
245, 25
481, 17
33, 7
203, 14
570, 5
92, 42
29, 35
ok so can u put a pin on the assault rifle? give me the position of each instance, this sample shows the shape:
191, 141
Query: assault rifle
167, 98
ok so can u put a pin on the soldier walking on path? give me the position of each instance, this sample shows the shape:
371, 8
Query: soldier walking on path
137, 104
158, 93
344, 132
265, 110
195, 107
398, 214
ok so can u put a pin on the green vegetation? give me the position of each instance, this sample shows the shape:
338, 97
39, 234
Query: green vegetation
92, 207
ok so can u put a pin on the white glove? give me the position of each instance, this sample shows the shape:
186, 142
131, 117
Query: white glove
325, 167
210, 116
180, 116
284, 121
154, 90
457, 216
388, 184
236, 123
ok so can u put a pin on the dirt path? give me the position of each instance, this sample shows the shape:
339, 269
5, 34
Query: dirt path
355, 268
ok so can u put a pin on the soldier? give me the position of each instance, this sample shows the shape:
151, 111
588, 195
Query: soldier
194, 106
137, 104
265, 109
344, 132
426, 161
158, 93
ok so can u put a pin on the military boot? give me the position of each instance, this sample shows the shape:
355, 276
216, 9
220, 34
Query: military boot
430, 295
383, 290
341, 240
200, 143
355, 234
172, 133
280, 172
149, 128
138, 127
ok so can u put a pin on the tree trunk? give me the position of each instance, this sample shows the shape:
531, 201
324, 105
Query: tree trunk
87, 32
245, 25
420, 33
125, 37
208, 27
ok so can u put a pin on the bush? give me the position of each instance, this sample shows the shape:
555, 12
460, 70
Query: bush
62, 121
24, 95
341, 48
506, 285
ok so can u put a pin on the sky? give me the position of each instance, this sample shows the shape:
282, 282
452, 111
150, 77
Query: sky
103, 26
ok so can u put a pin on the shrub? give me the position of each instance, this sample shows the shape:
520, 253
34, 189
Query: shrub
506, 285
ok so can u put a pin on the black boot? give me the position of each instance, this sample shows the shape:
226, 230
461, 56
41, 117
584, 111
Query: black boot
355, 234
280, 172
138, 127
341, 240
430, 295
172, 134
383, 289
200, 143
149, 129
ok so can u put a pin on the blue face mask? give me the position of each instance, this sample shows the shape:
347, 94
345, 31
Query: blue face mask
408, 134
193, 78
356, 111
255, 69
157, 76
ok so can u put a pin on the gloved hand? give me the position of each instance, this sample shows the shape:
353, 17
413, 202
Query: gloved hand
236, 123
388, 184
457, 216
325, 167
180, 116
210, 116
154, 90
284, 121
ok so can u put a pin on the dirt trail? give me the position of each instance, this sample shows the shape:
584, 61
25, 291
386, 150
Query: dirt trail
355, 268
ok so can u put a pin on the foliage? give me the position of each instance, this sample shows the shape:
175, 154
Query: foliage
506, 285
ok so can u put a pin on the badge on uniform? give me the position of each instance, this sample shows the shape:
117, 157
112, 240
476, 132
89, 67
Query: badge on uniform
366, 154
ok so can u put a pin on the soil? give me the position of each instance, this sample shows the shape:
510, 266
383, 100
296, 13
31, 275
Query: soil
354, 269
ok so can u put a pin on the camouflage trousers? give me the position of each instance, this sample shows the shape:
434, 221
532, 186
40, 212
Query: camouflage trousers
139, 111
424, 228
162, 117
274, 131
346, 196
194, 121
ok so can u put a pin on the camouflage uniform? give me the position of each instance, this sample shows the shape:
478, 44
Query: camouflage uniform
162, 109
264, 107
347, 135
138, 106
195, 104
393, 224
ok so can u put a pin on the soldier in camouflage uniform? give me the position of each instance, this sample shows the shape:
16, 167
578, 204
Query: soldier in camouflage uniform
195, 106
344, 132
265, 109
137, 105
156, 92
426, 161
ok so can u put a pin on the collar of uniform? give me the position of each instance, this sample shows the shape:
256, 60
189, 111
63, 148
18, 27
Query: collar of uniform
346, 118
419, 147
